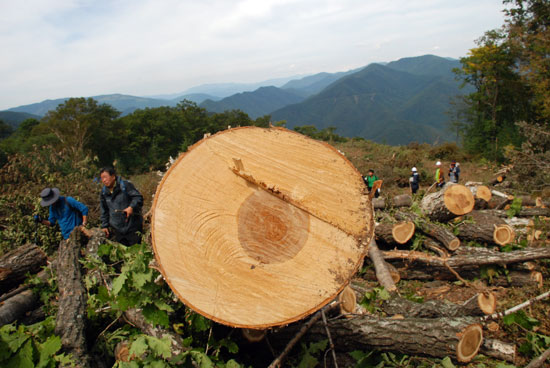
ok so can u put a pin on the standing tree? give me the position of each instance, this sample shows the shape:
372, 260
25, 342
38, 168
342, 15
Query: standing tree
81, 125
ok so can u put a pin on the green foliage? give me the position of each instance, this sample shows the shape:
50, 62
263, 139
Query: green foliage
31, 346
326, 134
534, 343
310, 353
372, 299
515, 207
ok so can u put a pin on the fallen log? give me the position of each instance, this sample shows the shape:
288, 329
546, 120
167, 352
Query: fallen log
498, 350
497, 180
15, 307
398, 233
438, 232
378, 203
539, 361
70, 321
452, 201
459, 338
504, 234
479, 305
469, 257
15, 265
523, 212
520, 279
402, 200
382, 273
478, 226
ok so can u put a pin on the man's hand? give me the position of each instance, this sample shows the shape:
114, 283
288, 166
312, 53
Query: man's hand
37, 218
128, 212
106, 231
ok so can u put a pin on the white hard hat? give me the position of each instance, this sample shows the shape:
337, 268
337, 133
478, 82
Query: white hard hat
413, 169
438, 163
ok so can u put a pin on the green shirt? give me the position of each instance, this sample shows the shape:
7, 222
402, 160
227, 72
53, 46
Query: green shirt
371, 180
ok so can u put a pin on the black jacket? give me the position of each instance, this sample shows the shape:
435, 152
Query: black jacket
124, 195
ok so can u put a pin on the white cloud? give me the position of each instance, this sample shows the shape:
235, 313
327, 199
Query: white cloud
66, 48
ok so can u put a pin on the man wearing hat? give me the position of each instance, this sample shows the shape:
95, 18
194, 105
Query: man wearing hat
454, 172
414, 180
66, 211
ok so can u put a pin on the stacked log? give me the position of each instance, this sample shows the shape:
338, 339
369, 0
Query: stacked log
398, 233
451, 201
438, 232
15, 265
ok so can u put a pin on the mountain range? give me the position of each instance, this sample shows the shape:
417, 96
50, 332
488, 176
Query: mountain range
396, 103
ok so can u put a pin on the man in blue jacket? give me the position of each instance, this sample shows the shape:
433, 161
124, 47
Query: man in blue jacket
66, 211
120, 208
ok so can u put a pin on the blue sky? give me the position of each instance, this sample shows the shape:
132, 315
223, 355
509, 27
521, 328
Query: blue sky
72, 48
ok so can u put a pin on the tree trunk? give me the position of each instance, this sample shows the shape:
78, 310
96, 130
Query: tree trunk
399, 233
15, 307
70, 320
523, 212
451, 201
402, 200
459, 338
499, 179
498, 350
378, 203
520, 279
470, 257
15, 265
438, 232
479, 226
382, 273
478, 305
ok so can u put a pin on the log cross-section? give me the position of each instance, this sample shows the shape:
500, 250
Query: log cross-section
249, 216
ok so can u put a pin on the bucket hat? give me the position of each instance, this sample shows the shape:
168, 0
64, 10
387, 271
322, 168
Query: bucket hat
49, 196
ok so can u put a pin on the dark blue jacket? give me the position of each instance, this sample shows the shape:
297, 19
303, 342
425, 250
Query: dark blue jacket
124, 195
68, 212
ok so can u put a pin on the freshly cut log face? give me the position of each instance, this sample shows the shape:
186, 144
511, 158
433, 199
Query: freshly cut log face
260, 227
403, 231
458, 199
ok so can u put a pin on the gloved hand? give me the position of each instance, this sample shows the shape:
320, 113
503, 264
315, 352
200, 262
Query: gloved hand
37, 218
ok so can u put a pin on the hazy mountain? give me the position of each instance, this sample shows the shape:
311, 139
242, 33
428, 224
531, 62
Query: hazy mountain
315, 83
13, 118
258, 103
197, 98
396, 103
227, 89
124, 103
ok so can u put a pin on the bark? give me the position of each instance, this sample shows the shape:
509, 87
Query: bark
499, 350
539, 361
378, 203
469, 257
520, 279
528, 201
499, 179
15, 265
15, 307
70, 320
438, 232
402, 200
436, 337
475, 306
479, 226
523, 212
382, 273
451, 201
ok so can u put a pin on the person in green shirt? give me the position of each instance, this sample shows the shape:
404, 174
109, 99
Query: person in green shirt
369, 182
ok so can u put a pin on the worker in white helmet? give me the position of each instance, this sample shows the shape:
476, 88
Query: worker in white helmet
439, 178
414, 180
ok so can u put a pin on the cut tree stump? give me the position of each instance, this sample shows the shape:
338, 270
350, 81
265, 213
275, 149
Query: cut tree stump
451, 201
70, 321
398, 233
458, 338
478, 226
15, 265
438, 232
249, 216
504, 234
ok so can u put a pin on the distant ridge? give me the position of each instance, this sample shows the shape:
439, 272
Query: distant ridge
13, 118
397, 103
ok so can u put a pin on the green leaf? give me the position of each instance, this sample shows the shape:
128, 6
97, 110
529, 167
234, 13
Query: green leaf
118, 283
232, 364
141, 278
155, 316
447, 363
505, 365
308, 361
201, 359
12, 337
161, 347
521, 319
48, 350
158, 364
23, 358
138, 347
